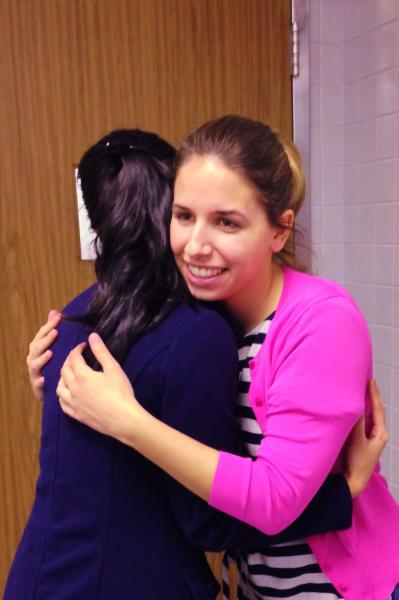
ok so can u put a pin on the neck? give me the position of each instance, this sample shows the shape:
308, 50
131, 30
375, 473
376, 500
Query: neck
259, 301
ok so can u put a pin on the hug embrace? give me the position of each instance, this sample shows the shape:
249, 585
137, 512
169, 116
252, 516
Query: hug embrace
270, 454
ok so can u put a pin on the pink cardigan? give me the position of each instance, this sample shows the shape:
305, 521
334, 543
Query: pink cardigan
308, 390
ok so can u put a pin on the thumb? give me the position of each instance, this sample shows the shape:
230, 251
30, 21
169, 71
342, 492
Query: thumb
101, 352
52, 313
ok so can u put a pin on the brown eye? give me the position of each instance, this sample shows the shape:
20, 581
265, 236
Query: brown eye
184, 216
228, 223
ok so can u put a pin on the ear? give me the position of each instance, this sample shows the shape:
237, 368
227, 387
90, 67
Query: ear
282, 233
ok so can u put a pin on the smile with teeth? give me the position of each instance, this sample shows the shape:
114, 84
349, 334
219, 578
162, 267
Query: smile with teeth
204, 272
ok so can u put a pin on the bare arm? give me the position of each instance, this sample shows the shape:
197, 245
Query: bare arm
119, 415
105, 401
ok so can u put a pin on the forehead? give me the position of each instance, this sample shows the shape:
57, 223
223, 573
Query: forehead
208, 179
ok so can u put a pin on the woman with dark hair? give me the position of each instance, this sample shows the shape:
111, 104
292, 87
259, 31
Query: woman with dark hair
107, 523
305, 361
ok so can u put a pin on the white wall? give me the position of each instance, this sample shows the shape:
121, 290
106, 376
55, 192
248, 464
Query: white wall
354, 75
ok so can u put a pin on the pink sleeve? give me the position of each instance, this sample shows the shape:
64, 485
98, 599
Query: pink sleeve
315, 397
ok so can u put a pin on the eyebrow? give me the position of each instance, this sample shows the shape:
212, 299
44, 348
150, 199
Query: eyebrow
230, 213
224, 213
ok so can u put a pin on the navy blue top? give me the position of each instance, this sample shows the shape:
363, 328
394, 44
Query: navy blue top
107, 524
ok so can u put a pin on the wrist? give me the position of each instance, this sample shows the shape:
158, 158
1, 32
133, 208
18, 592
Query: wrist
356, 486
133, 425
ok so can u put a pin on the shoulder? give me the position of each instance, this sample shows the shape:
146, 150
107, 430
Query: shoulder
68, 329
201, 329
79, 305
201, 336
197, 321
306, 295
318, 312
309, 288
70, 332
202, 355
186, 333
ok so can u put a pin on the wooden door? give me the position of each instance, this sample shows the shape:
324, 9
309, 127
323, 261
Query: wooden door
71, 70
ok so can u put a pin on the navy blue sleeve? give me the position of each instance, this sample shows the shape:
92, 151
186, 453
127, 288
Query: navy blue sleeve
200, 373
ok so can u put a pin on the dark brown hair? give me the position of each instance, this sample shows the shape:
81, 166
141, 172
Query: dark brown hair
126, 179
272, 164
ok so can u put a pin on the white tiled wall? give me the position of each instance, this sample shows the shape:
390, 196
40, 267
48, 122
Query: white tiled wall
354, 74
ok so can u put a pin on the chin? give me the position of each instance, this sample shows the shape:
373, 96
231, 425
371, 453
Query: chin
205, 295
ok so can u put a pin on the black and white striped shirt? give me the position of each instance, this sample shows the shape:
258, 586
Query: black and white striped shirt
287, 570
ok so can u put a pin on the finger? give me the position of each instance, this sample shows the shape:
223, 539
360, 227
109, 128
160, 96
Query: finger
38, 385
76, 362
67, 374
65, 399
53, 313
40, 344
63, 392
379, 436
378, 433
377, 406
36, 365
101, 352
45, 342
51, 323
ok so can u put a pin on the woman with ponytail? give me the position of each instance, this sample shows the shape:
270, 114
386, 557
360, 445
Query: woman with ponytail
107, 523
305, 360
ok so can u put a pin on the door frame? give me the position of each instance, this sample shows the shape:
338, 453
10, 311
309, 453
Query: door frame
300, 51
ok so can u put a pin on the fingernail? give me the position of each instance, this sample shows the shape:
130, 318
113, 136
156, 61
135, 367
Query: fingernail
94, 338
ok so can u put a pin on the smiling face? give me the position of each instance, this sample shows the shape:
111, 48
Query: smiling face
220, 235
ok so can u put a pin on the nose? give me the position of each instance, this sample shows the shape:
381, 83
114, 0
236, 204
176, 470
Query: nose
198, 243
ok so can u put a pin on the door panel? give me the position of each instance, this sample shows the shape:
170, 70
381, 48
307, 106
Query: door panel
70, 70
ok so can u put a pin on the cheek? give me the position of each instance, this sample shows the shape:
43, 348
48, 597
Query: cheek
249, 264
246, 252
176, 237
